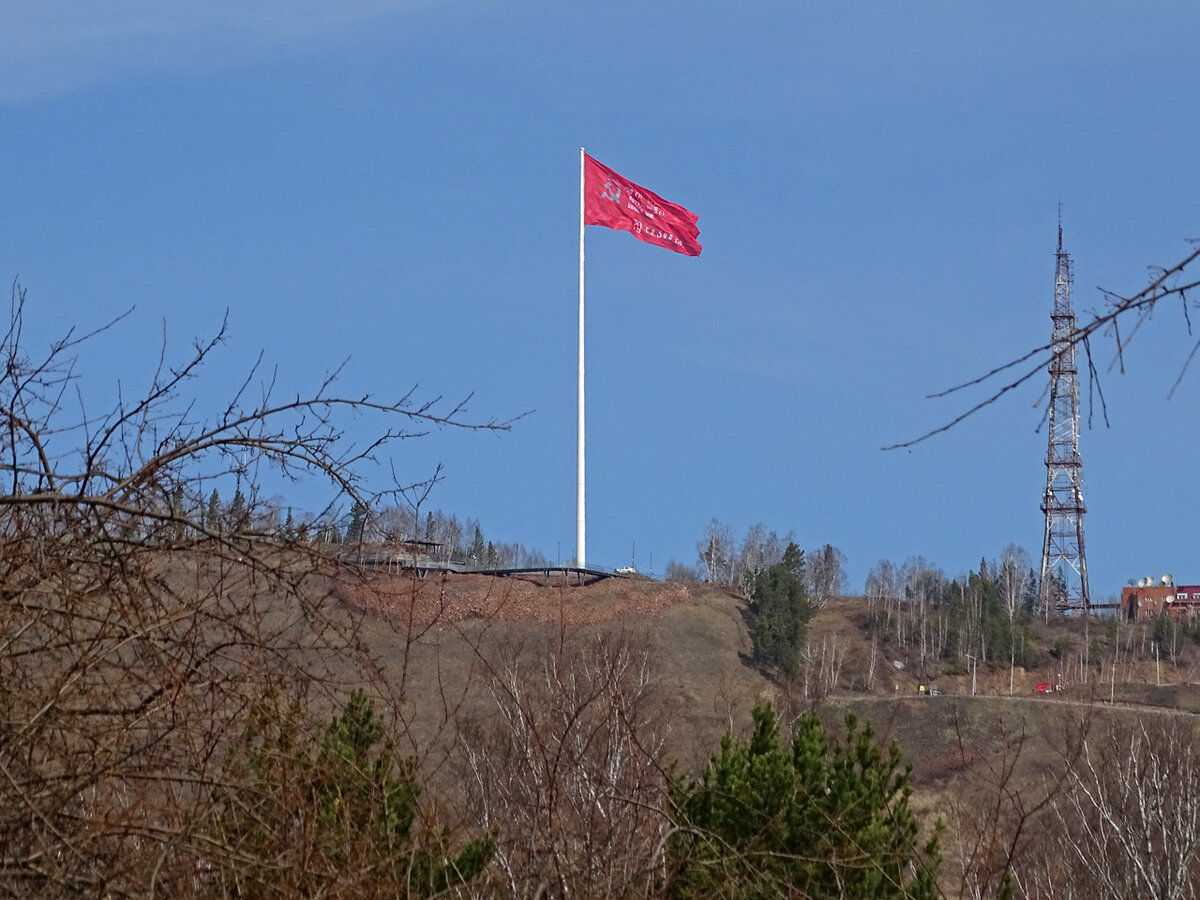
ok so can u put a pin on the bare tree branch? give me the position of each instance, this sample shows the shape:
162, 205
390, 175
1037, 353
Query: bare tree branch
143, 621
1167, 284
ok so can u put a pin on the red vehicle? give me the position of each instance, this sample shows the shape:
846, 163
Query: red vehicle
1049, 687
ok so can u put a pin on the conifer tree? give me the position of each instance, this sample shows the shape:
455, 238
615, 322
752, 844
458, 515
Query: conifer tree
338, 809
237, 510
213, 517
781, 611
816, 818
358, 523
478, 548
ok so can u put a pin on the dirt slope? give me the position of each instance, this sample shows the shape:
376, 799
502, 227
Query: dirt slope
442, 638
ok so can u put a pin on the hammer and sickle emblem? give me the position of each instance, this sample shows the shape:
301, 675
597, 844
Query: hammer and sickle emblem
612, 192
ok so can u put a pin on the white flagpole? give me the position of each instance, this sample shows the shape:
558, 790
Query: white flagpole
580, 492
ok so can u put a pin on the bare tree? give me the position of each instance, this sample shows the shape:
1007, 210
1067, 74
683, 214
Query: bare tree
761, 550
883, 588
1128, 823
826, 570
677, 571
997, 819
1014, 580
752, 559
717, 552
924, 587
137, 633
569, 767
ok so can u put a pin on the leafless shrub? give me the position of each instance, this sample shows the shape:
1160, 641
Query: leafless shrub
568, 767
1000, 810
1128, 823
138, 630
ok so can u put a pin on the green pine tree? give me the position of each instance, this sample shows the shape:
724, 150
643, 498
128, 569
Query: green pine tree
781, 611
358, 523
341, 804
478, 548
814, 818
212, 518
238, 513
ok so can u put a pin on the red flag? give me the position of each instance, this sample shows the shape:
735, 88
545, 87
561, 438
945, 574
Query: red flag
616, 202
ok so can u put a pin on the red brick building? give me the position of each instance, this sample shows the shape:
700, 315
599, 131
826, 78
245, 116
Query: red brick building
1147, 599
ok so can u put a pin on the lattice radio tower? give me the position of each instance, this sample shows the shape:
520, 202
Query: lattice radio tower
1064, 583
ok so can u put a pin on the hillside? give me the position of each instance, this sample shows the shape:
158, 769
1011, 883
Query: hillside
522, 698
442, 638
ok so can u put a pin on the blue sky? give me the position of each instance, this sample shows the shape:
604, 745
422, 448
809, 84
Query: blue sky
878, 188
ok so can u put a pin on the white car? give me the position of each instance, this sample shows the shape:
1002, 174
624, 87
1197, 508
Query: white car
626, 570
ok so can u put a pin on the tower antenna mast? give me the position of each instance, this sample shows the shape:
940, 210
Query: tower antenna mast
1064, 581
